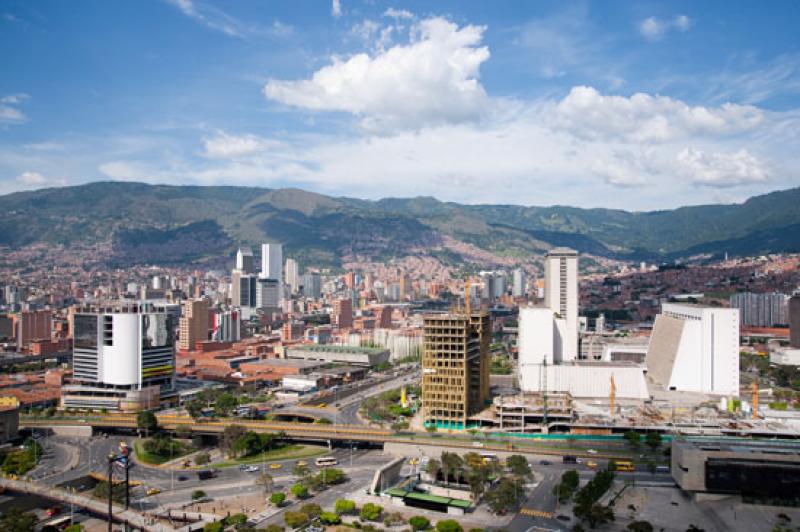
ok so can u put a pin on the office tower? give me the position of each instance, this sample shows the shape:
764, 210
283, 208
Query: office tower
226, 326
455, 368
272, 261
193, 324
243, 289
123, 357
794, 321
561, 295
342, 315
519, 280
268, 293
312, 285
244, 261
695, 349
292, 275
32, 325
499, 284
538, 337
487, 286
404, 287
761, 310
157, 282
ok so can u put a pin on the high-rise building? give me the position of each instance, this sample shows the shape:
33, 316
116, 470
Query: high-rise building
794, 321
561, 295
272, 261
243, 290
519, 281
226, 326
292, 275
342, 315
268, 293
244, 261
455, 368
193, 324
695, 349
385, 317
312, 285
123, 357
32, 325
404, 287
761, 310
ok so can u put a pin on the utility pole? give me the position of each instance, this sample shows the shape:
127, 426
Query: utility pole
544, 393
111, 459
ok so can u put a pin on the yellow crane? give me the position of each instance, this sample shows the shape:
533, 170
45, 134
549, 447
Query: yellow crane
754, 398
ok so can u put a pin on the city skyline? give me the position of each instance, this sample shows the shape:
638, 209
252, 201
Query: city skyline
637, 107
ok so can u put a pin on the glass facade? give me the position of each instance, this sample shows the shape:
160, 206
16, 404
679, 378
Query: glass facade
157, 331
754, 478
85, 336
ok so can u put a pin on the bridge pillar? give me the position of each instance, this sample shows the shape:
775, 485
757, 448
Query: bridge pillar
330, 446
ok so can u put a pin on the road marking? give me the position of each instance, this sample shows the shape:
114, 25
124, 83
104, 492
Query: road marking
533, 512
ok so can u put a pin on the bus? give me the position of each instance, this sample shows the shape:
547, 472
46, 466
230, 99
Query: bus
59, 523
569, 459
326, 461
624, 465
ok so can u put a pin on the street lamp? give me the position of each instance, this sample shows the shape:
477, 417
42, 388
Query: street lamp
122, 458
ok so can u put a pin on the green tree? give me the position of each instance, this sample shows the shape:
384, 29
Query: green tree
419, 522
311, 509
146, 420
640, 526
371, 512
594, 513
216, 526
198, 494
224, 404
653, 440
449, 525
277, 498
566, 488
299, 491
433, 468
15, 520
300, 470
295, 519
230, 435
274, 528
265, 480
202, 458
345, 506
331, 475
519, 465
505, 495
633, 438
194, 407
236, 520
330, 518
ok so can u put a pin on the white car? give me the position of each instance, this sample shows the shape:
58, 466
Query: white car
591, 451
252, 469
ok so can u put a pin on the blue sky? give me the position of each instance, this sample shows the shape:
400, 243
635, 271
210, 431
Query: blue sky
642, 105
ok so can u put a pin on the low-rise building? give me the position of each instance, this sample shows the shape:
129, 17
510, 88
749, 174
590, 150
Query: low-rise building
340, 354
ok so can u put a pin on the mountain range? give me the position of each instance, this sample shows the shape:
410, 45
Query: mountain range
161, 224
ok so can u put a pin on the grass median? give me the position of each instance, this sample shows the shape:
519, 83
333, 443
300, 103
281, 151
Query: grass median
288, 452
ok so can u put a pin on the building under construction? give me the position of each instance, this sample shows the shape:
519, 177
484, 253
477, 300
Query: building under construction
455, 368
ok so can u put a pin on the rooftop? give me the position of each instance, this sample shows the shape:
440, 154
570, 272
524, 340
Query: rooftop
343, 349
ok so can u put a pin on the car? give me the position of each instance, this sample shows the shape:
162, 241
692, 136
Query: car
153, 491
252, 469
302, 463
181, 478
243, 467
563, 517
591, 464
274, 466
545, 462
322, 405
592, 451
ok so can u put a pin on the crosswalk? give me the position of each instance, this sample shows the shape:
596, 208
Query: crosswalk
533, 512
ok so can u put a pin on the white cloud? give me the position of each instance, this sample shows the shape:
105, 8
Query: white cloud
336, 8
29, 180
587, 114
722, 169
398, 13
224, 146
654, 28
431, 80
212, 17
9, 112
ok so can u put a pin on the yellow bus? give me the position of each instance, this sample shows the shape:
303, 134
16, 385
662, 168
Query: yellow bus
624, 465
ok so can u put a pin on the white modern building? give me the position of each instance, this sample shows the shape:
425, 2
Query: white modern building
226, 326
695, 349
272, 268
561, 295
583, 380
123, 357
292, 275
519, 283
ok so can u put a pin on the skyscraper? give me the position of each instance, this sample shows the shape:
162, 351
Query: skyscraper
561, 295
312, 285
761, 310
455, 368
518, 290
794, 321
292, 275
193, 324
343, 313
244, 261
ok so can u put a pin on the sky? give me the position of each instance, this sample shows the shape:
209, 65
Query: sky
631, 105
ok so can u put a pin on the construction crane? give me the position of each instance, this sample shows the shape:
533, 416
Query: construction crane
612, 395
754, 398
467, 299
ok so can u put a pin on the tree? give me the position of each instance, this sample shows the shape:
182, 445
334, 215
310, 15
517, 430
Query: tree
653, 440
505, 495
371, 512
295, 519
640, 526
198, 494
451, 465
633, 438
224, 404
331, 476
194, 408
311, 509
265, 479
345, 506
431, 429
274, 528
330, 518
202, 458
566, 488
449, 525
594, 513
236, 520
519, 465
229, 437
419, 523
299, 491
277, 498
15, 520
216, 526
146, 420
300, 470
183, 432
433, 468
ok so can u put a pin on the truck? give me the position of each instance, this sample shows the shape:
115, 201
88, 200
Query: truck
569, 459
206, 474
